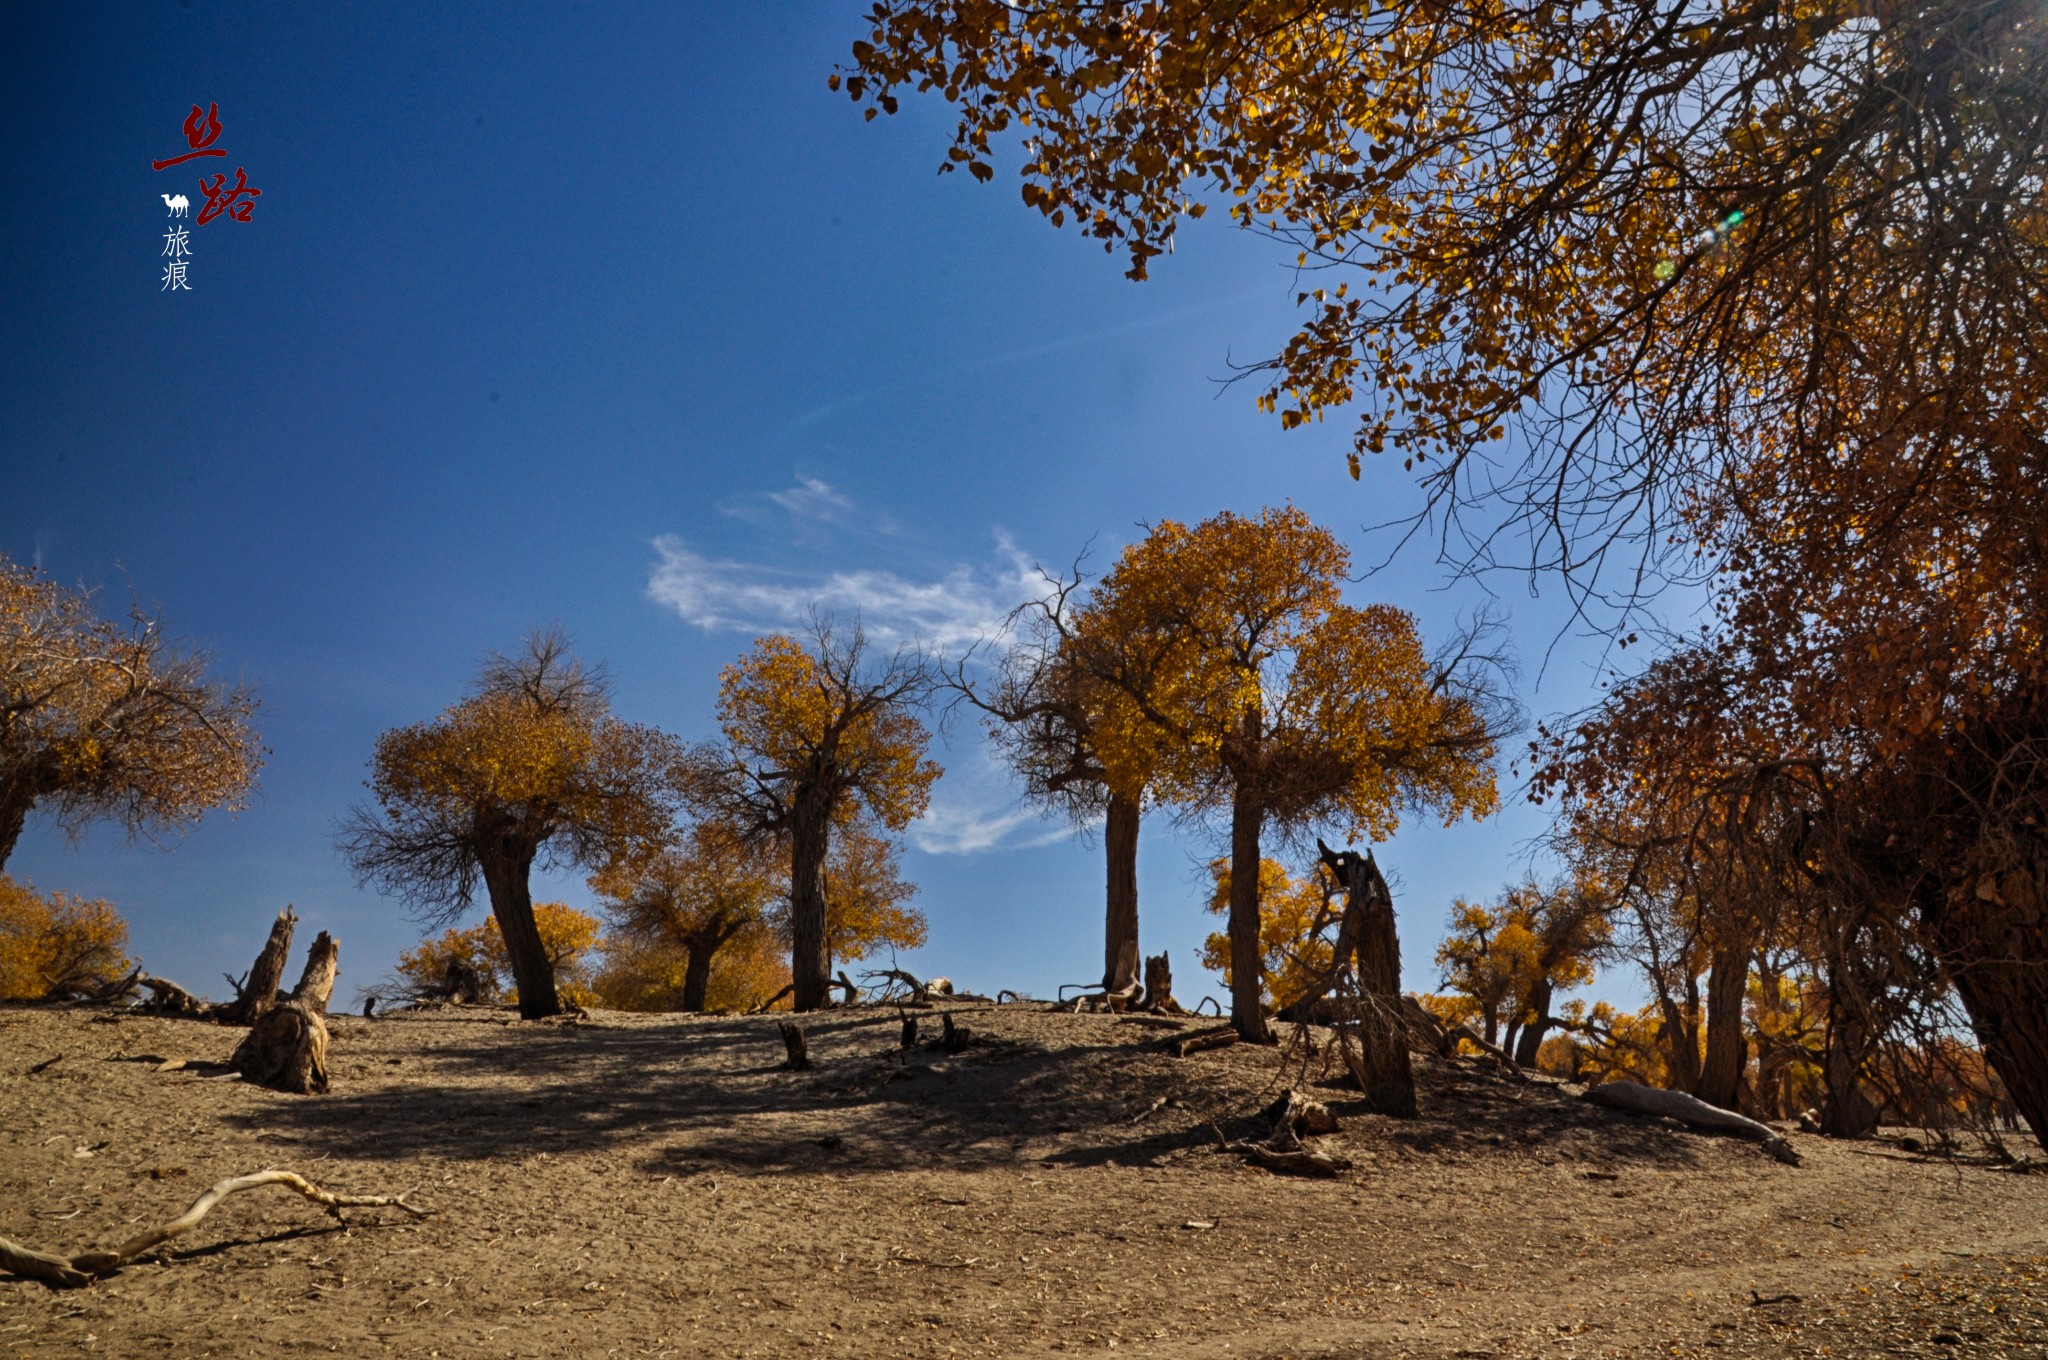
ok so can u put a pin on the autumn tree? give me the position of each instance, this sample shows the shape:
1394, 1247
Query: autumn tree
530, 769
817, 734
695, 898
1277, 705
569, 937
105, 720
49, 944
1512, 958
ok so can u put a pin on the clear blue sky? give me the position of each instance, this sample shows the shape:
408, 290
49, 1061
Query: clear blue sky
608, 314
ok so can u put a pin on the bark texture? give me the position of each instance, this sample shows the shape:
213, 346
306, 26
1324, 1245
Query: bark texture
1992, 932
810, 950
316, 983
258, 992
1247, 965
1387, 1079
508, 872
1720, 1081
1120, 850
286, 1050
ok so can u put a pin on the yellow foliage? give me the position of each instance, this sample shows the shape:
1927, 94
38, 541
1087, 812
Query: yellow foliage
568, 935
103, 720
47, 942
1294, 917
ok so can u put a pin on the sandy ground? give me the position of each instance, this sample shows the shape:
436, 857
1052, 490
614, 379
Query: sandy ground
656, 1186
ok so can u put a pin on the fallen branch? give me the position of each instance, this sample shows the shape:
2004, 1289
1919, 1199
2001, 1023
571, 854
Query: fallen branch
1690, 1110
1206, 1040
769, 1004
87, 1266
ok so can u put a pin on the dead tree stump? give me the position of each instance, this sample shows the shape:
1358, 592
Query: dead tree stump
955, 1038
316, 984
798, 1058
909, 1031
258, 993
286, 1050
1159, 987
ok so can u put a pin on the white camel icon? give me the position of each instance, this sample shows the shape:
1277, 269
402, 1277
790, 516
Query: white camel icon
177, 203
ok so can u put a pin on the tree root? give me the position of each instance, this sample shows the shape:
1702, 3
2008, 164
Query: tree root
87, 1266
1690, 1110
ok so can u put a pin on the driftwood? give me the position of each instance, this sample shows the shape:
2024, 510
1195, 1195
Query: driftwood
1637, 1099
87, 1266
1282, 1150
285, 1050
1222, 1037
1300, 1114
168, 998
797, 1054
316, 983
920, 993
258, 993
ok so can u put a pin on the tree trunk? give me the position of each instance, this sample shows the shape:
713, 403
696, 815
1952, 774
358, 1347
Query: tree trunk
14, 808
1247, 972
810, 949
285, 1050
316, 984
1847, 1112
1990, 934
696, 974
1120, 846
1386, 1078
1720, 1078
259, 989
507, 876
1531, 1045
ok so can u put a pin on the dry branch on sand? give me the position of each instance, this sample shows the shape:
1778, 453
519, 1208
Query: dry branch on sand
87, 1266
1690, 1110
1282, 1150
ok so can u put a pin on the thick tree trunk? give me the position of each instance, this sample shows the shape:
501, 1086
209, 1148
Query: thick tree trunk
1530, 1046
1720, 1080
1120, 847
1847, 1112
1993, 937
259, 989
507, 876
316, 984
697, 974
1247, 979
285, 1050
810, 949
1386, 1078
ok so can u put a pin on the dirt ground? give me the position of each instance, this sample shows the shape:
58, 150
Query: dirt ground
654, 1186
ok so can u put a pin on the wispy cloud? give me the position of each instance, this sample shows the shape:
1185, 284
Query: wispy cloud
957, 607
976, 809
812, 503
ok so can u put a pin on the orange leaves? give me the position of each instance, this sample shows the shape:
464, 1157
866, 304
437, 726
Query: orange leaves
49, 942
568, 936
99, 719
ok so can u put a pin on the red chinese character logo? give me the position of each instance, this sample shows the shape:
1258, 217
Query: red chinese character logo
220, 201
201, 130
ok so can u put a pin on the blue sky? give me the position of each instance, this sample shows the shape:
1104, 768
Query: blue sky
611, 315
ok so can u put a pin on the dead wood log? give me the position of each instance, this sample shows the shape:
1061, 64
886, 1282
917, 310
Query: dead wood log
1116, 993
1158, 995
1299, 1114
286, 1050
1444, 1039
1222, 1037
168, 998
844, 984
1690, 1110
87, 1266
769, 1004
1284, 1153
920, 994
797, 1057
953, 1038
316, 983
259, 993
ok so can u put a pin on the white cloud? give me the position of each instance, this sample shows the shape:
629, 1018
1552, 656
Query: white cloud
812, 498
949, 828
813, 503
961, 606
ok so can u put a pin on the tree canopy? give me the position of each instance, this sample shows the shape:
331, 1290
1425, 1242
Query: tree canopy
530, 769
816, 736
104, 720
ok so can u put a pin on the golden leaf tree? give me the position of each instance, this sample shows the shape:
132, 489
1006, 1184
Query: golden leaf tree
694, 899
531, 768
1512, 958
816, 735
478, 957
104, 720
51, 944
1274, 704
